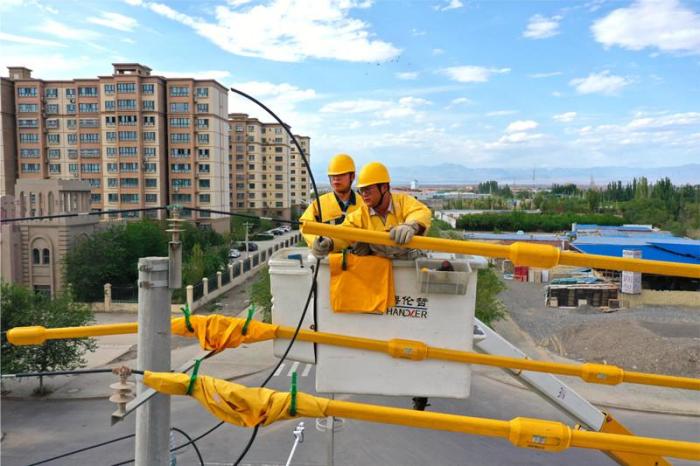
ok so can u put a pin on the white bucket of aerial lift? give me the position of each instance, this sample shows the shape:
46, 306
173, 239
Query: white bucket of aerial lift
444, 319
290, 281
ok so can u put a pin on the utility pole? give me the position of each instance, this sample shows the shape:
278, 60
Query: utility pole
153, 418
158, 276
247, 226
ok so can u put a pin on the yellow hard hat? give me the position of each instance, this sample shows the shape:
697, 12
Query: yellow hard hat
340, 164
373, 173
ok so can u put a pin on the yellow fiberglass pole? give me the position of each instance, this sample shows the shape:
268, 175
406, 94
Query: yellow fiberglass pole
605, 374
535, 255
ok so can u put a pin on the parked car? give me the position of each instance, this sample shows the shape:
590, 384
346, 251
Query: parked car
251, 246
285, 228
276, 231
234, 254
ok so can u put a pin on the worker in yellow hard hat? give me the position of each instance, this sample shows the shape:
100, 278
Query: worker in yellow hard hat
338, 203
402, 215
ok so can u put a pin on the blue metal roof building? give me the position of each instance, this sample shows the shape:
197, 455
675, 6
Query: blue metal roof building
654, 244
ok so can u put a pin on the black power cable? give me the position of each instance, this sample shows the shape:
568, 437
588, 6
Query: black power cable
81, 214
194, 445
235, 214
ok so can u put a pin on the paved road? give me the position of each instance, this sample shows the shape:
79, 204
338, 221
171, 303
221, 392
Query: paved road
35, 430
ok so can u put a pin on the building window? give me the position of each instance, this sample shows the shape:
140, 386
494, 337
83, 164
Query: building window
179, 107
94, 182
89, 123
149, 121
111, 136
126, 104
46, 256
129, 182
203, 153
203, 168
202, 123
72, 138
52, 153
73, 167
51, 109
127, 88
179, 183
26, 91
151, 182
90, 153
128, 167
112, 182
90, 167
128, 151
30, 167
54, 168
112, 168
129, 120
202, 92
36, 256
149, 151
95, 198
176, 91
27, 108
32, 123
87, 91
112, 197
70, 92
151, 197
128, 135
110, 120
148, 105
181, 167
90, 108
29, 153
148, 88
202, 108
180, 152
109, 88
53, 138
70, 108
205, 198
182, 198
204, 184
202, 139
89, 137
149, 136
149, 167
180, 122
180, 138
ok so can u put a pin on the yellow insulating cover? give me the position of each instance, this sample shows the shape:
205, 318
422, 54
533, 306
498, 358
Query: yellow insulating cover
19, 336
407, 349
602, 373
534, 255
216, 332
237, 404
539, 434
365, 286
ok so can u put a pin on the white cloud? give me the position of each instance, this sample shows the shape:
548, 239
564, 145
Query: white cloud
64, 31
289, 31
209, 74
29, 40
521, 125
6, 5
565, 117
541, 27
665, 121
599, 83
498, 113
472, 74
382, 109
437, 52
53, 66
417, 32
545, 75
459, 101
407, 75
663, 24
236, 3
114, 21
450, 5
516, 138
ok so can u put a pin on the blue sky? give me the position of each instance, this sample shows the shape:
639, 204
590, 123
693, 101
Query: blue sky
484, 84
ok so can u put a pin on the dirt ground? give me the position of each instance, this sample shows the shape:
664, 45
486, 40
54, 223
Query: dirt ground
662, 340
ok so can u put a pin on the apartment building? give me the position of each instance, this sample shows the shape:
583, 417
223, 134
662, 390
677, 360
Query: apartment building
8, 147
267, 176
138, 139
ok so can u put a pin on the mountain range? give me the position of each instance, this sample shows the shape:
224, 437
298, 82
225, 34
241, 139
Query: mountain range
450, 173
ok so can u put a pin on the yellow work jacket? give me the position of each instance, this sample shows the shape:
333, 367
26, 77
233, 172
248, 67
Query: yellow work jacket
403, 209
332, 209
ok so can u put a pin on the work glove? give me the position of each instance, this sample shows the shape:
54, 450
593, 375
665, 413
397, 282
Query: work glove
402, 234
321, 247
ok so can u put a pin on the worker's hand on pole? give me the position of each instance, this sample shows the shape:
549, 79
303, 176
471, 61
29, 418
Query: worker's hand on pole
402, 234
321, 247
361, 249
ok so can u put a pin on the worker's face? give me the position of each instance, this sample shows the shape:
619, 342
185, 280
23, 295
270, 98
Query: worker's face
372, 195
341, 183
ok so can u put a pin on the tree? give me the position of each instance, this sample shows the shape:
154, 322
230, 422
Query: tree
261, 295
22, 307
488, 307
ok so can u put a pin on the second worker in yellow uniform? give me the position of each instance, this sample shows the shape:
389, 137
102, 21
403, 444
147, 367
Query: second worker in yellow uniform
402, 215
336, 205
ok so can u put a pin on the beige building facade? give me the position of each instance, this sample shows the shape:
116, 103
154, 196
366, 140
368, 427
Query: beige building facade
139, 140
267, 175
8, 145
33, 250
